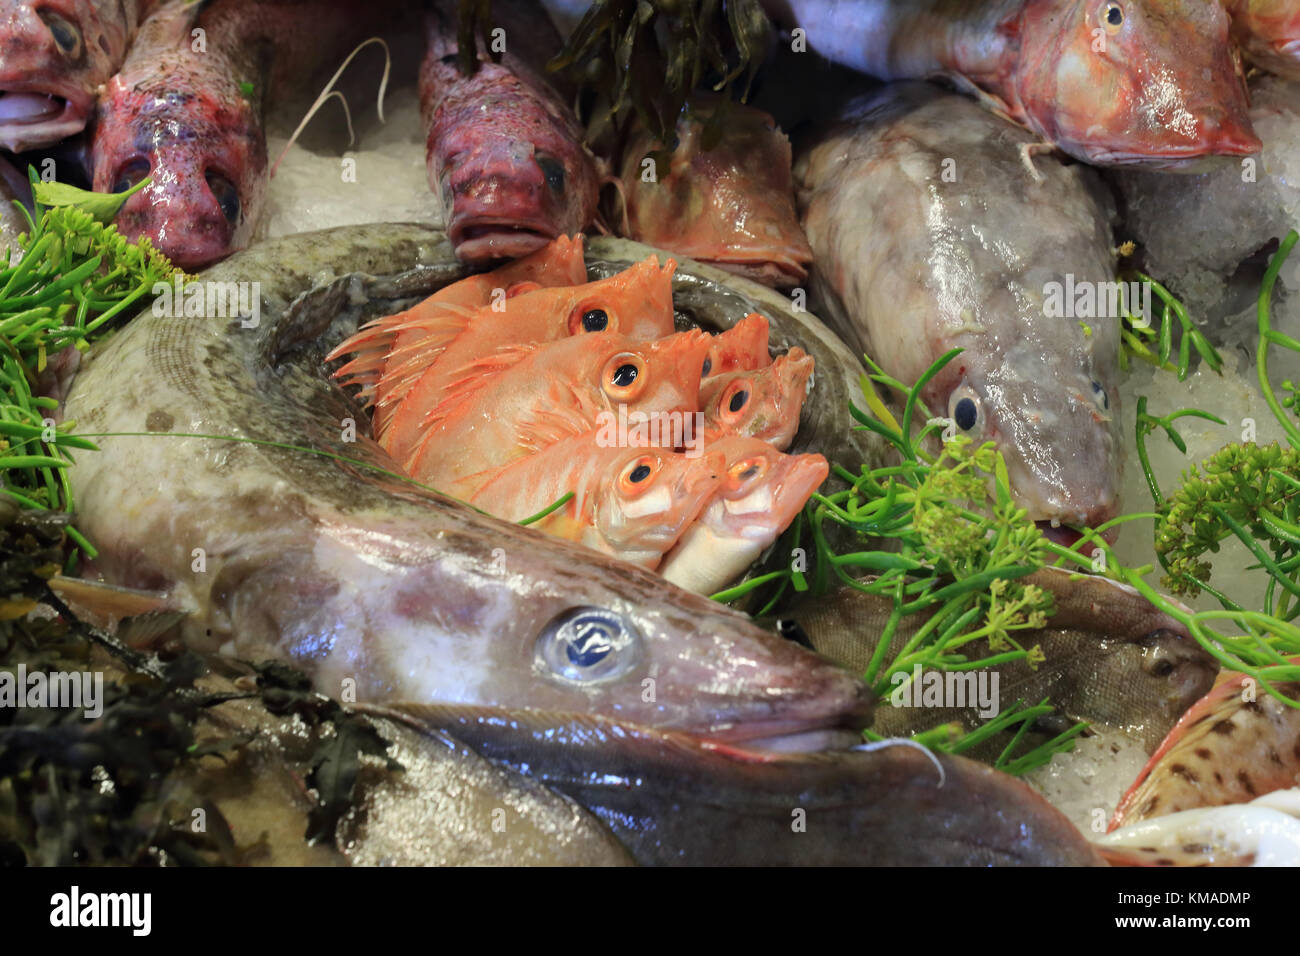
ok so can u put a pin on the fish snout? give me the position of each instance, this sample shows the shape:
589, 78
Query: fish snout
499, 204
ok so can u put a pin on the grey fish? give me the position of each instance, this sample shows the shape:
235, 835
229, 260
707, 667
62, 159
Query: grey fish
672, 800
13, 186
929, 233
1111, 658
369, 584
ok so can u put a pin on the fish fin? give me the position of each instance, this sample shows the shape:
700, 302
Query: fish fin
472, 378
565, 414
104, 604
994, 104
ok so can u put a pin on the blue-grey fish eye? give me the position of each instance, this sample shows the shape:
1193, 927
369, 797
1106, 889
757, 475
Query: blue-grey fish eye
1099, 392
585, 645
965, 414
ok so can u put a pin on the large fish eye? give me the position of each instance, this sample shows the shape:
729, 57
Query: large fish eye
635, 478
624, 377
553, 170
1112, 17
226, 194
586, 645
1099, 395
130, 173
66, 35
708, 367
964, 409
588, 318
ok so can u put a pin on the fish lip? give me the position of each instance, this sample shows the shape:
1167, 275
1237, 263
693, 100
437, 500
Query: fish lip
1248, 145
1067, 537
20, 135
783, 271
487, 237
844, 731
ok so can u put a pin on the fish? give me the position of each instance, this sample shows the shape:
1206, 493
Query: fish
672, 799
1154, 83
636, 303
1111, 659
55, 57
505, 153
630, 502
930, 235
294, 537
1263, 832
543, 393
743, 347
14, 187
762, 492
730, 204
1268, 32
763, 403
190, 115
391, 352
1235, 743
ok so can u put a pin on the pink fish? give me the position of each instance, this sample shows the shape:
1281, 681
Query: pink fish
554, 391
762, 492
637, 303
731, 206
55, 57
1111, 82
505, 152
763, 404
1269, 33
632, 503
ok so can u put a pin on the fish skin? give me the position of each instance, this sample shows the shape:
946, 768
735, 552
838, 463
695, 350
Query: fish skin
13, 186
638, 304
548, 392
966, 264
773, 398
33, 62
731, 206
674, 800
637, 522
504, 151
745, 516
1111, 658
180, 115
391, 351
1222, 750
1264, 832
350, 574
1166, 92
1269, 34
743, 347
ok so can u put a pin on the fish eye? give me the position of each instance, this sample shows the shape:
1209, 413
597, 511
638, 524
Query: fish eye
595, 320
586, 645
1112, 17
708, 367
636, 476
66, 35
739, 398
553, 170
747, 470
1099, 394
226, 194
965, 413
623, 376
639, 473
130, 173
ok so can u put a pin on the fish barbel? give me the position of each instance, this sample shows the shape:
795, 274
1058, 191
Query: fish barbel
762, 403
319, 554
504, 152
1269, 33
189, 114
636, 303
1234, 744
1111, 82
55, 57
761, 493
930, 234
630, 502
731, 205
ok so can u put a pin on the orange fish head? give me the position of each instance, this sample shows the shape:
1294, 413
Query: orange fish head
651, 495
764, 403
637, 302
1133, 82
658, 377
741, 347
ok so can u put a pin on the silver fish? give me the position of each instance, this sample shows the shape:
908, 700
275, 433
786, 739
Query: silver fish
374, 586
929, 234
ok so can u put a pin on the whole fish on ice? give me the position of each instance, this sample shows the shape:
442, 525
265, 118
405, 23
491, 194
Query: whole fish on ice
930, 234
1111, 82
55, 57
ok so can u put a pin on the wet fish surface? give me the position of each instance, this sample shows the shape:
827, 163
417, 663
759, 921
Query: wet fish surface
1269, 33
55, 56
929, 234
1148, 82
353, 574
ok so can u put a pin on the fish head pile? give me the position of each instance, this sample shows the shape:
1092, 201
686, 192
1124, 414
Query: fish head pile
204, 153
1269, 33
731, 205
54, 57
647, 497
1053, 414
763, 403
1117, 82
505, 158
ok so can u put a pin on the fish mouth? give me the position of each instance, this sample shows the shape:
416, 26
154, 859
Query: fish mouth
840, 733
33, 116
1189, 159
1068, 537
483, 240
780, 273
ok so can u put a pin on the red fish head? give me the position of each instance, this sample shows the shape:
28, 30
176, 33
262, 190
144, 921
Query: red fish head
743, 346
1122, 82
662, 376
54, 56
206, 161
1269, 33
764, 403
763, 488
